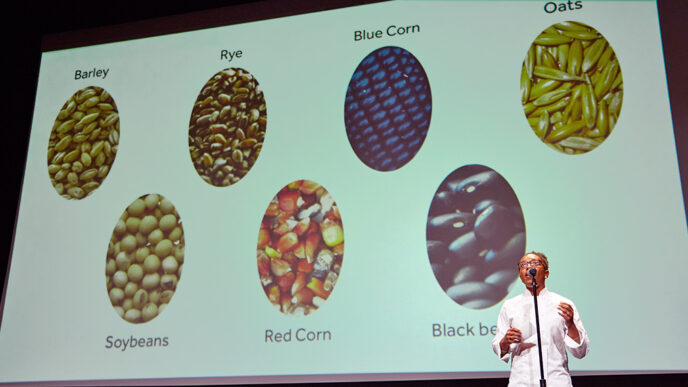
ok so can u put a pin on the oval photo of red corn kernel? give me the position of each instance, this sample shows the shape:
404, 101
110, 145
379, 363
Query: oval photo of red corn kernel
300, 247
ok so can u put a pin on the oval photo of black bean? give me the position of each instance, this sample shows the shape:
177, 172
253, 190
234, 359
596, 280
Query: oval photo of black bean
387, 108
475, 236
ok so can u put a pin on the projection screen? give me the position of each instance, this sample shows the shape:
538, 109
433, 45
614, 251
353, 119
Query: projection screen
345, 195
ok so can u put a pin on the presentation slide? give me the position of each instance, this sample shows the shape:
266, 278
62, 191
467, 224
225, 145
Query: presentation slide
346, 195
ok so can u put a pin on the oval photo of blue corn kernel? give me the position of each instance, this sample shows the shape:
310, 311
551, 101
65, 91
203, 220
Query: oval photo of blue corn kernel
387, 109
475, 236
571, 87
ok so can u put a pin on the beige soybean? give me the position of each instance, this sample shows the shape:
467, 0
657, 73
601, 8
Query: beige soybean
135, 273
155, 236
149, 312
148, 224
170, 265
151, 264
569, 80
227, 127
127, 304
87, 124
132, 315
130, 289
144, 258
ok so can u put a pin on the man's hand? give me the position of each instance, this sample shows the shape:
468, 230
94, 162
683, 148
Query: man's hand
512, 335
566, 311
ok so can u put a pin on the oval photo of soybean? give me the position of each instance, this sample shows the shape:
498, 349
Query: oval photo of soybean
227, 127
387, 108
571, 87
475, 236
144, 258
83, 143
300, 247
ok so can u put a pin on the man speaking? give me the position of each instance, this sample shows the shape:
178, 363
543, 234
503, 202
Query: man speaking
560, 328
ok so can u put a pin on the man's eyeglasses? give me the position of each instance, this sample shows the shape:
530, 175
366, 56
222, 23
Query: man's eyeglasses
532, 263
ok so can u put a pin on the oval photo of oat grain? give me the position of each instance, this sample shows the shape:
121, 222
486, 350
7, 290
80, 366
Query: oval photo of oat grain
571, 87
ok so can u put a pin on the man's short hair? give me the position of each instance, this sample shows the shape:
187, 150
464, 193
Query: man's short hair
543, 258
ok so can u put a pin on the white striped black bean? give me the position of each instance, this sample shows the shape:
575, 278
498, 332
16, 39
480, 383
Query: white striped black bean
446, 225
502, 278
475, 290
502, 257
497, 224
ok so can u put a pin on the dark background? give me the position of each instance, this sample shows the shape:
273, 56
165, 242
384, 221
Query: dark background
26, 23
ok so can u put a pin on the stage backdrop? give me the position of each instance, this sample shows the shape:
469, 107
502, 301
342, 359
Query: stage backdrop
346, 195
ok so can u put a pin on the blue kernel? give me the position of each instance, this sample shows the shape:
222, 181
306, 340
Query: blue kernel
379, 115
389, 102
384, 124
369, 100
414, 142
409, 134
379, 75
362, 83
390, 141
403, 157
380, 85
372, 68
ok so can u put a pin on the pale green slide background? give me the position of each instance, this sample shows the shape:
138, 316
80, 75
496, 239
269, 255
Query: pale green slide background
612, 220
